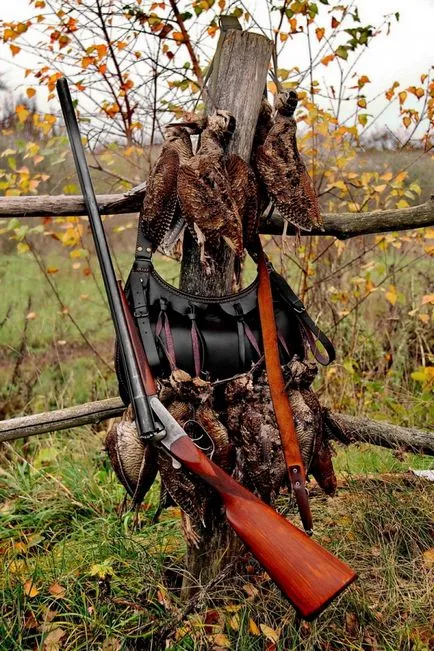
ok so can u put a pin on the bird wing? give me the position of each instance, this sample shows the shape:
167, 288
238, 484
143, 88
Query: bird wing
245, 193
286, 179
160, 202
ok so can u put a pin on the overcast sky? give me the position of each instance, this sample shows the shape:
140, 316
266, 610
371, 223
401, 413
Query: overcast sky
403, 55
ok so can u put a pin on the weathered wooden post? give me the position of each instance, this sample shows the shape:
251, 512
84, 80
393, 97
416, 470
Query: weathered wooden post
236, 84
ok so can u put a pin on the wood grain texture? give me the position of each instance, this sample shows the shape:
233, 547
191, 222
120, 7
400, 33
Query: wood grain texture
307, 574
340, 225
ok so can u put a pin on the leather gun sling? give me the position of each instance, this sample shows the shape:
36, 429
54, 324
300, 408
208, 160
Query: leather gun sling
281, 405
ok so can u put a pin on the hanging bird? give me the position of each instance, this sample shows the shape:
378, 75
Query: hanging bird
310, 423
204, 190
160, 205
134, 462
263, 126
282, 170
244, 190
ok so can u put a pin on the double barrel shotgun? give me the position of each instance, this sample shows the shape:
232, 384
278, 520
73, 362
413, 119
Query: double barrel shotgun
309, 575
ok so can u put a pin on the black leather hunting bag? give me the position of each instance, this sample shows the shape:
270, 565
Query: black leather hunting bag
212, 337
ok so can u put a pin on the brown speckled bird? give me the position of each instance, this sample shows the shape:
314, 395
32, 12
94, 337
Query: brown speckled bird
161, 201
244, 190
310, 423
282, 169
263, 126
134, 463
204, 190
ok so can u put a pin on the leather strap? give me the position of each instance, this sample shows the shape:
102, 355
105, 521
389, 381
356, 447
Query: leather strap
281, 405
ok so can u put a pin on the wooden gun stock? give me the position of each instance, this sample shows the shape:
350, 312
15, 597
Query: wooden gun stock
309, 575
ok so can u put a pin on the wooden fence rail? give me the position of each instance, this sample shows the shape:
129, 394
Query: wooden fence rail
358, 429
340, 225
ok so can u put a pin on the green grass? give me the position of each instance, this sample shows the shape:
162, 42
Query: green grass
71, 563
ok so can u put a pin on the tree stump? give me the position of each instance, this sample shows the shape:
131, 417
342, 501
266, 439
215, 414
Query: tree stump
236, 85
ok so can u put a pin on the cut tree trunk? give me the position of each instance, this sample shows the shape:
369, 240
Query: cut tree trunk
236, 85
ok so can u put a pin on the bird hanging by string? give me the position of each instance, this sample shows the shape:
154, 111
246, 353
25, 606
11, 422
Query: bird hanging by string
283, 171
263, 126
160, 206
204, 191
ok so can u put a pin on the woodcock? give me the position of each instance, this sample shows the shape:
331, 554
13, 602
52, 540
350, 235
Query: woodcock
282, 170
160, 206
204, 190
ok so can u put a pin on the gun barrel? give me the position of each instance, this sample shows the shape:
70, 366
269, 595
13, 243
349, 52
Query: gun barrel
142, 410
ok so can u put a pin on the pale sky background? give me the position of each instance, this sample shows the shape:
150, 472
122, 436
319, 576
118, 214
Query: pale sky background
403, 55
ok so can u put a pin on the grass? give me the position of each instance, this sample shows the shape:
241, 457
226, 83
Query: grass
75, 569
78, 576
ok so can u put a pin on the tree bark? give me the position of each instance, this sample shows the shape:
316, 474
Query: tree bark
341, 225
236, 84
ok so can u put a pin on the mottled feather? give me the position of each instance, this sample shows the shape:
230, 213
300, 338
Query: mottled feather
245, 193
161, 199
283, 171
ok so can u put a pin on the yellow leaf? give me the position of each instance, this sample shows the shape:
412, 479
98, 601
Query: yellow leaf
283, 36
363, 119
320, 31
232, 608
406, 120
269, 633
428, 558
22, 113
272, 87
22, 247
235, 622
361, 102
31, 316
178, 37
253, 629
30, 92
121, 45
52, 270
221, 640
14, 49
402, 203
30, 589
402, 96
392, 294
380, 188
428, 298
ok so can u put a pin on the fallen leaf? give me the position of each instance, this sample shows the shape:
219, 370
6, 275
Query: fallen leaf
53, 640
30, 621
250, 590
253, 629
30, 589
269, 633
235, 622
31, 315
57, 591
221, 640
428, 558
